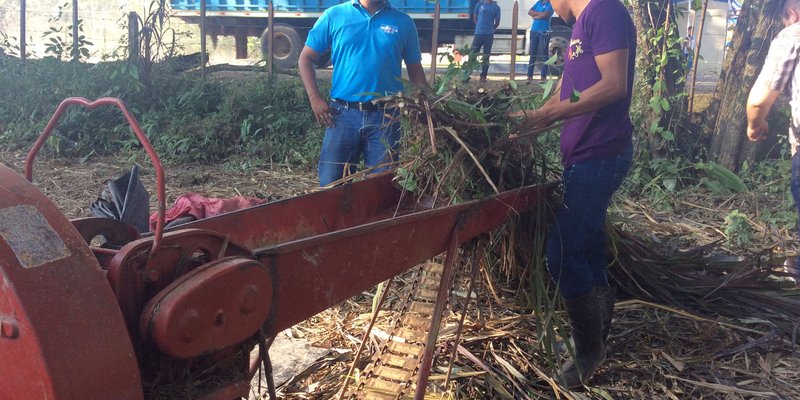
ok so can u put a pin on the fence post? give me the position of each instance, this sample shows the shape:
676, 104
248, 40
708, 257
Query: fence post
514, 23
203, 39
22, 50
133, 36
437, 14
270, 38
76, 52
695, 60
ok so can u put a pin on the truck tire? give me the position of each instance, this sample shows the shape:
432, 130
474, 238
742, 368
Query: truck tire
287, 46
558, 46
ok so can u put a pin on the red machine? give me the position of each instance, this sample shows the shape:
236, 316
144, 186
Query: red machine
178, 312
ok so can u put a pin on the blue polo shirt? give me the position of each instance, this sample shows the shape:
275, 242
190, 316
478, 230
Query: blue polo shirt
366, 51
541, 25
488, 16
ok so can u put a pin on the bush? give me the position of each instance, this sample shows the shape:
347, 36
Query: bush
187, 119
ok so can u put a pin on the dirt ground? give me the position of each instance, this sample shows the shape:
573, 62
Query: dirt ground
73, 185
655, 353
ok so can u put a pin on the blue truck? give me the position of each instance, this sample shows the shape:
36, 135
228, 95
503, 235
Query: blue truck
294, 18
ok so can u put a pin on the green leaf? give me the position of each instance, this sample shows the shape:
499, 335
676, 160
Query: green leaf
697, 5
667, 135
670, 183
575, 96
655, 103
654, 127
548, 87
513, 84
552, 60
664, 104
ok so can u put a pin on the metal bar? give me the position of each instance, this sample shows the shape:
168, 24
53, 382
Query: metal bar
365, 338
62, 108
696, 60
436, 318
203, 39
476, 259
514, 33
22, 43
75, 46
437, 16
270, 38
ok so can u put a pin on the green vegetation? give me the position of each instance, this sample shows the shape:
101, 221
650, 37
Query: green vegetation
187, 119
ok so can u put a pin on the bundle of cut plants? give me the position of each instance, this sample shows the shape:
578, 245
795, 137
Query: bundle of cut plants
459, 144
750, 287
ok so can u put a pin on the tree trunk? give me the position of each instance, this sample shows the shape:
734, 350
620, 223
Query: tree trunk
725, 121
650, 17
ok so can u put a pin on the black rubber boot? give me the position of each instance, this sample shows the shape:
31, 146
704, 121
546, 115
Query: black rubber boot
587, 331
606, 298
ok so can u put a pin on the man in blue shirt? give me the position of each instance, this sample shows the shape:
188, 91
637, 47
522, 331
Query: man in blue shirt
368, 39
486, 18
540, 36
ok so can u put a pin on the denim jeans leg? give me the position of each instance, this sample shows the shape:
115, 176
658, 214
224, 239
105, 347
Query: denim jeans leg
487, 52
381, 138
795, 185
533, 45
542, 52
576, 255
341, 145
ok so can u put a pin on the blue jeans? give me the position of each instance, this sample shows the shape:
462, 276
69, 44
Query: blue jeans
576, 251
483, 41
795, 186
538, 51
373, 134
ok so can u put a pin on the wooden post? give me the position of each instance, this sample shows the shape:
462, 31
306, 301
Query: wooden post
437, 14
699, 35
271, 38
133, 37
514, 23
76, 52
203, 39
22, 50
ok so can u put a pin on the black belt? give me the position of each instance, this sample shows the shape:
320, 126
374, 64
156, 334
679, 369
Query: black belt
360, 106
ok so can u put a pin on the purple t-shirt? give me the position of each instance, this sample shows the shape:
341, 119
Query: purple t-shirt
602, 27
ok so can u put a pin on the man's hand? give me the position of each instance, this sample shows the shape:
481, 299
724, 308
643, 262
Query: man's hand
533, 123
757, 130
322, 111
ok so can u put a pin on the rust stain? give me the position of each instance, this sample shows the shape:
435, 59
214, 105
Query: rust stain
31, 238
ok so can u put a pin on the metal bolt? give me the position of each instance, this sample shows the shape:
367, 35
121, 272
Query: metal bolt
8, 329
248, 299
220, 318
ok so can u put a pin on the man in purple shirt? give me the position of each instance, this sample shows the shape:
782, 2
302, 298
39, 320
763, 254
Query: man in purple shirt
596, 150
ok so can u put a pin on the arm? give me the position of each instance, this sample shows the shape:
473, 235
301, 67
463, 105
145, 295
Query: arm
309, 75
612, 86
759, 102
417, 75
497, 18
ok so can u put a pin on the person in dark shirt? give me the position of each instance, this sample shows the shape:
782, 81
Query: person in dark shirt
540, 37
596, 150
486, 18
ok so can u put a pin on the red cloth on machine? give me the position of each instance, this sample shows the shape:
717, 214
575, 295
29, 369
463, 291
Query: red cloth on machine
199, 206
